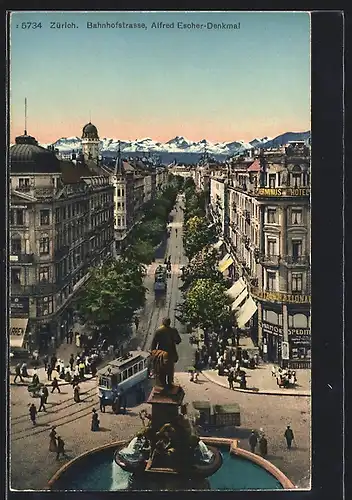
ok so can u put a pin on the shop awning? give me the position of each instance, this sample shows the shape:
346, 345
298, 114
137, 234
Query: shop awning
218, 245
225, 263
246, 312
242, 296
236, 289
18, 327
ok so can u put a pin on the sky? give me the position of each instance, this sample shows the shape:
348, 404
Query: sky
159, 82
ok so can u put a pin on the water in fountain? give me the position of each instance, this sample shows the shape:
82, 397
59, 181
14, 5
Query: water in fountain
133, 452
202, 454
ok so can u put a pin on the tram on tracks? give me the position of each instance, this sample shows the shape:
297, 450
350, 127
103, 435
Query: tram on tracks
127, 372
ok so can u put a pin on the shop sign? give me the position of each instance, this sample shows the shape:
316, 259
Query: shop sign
281, 297
282, 192
19, 305
299, 336
269, 328
285, 353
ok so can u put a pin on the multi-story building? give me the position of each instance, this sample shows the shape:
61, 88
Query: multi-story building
263, 207
61, 225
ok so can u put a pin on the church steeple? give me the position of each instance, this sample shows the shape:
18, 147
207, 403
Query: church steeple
119, 168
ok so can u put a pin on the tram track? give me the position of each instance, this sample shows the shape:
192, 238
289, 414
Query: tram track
23, 417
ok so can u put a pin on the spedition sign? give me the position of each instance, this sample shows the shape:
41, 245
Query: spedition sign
278, 192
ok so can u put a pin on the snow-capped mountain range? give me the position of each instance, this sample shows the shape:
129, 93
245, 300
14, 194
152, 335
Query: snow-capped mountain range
178, 145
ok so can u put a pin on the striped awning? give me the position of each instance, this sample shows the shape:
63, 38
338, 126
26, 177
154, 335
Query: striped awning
18, 327
225, 263
242, 296
246, 312
236, 289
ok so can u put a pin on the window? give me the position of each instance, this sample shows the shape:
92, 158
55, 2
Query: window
123, 205
122, 192
69, 211
119, 205
44, 245
119, 192
272, 180
271, 216
130, 372
140, 366
296, 216
16, 245
15, 276
296, 249
104, 382
44, 217
271, 247
44, 274
44, 306
23, 184
17, 217
119, 221
297, 321
270, 281
58, 215
296, 178
296, 282
135, 369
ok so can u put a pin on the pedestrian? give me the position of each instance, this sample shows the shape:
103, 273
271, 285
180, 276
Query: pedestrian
53, 361
67, 337
78, 340
136, 322
33, 413
52, 443
243, 381
81, 368
116, 404
42, 402
263, 446
45, 392
35, 378
68, 376
60, 447
95, 426
24, 370
93, 368
253, 440
102, 404
71, 336
46, 361
289, 437
76, 394
231, 379
71, 362
18, 373
49, 373
55, 385
123, 400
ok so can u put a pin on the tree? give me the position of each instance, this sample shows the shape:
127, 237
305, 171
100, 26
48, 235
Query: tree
189, 184
142, 251
111, 297
206, 306
204, 264
197, 234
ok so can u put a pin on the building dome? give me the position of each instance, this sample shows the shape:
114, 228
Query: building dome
27, 156
90, 131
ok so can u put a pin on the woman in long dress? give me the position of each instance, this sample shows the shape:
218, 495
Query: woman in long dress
53, 444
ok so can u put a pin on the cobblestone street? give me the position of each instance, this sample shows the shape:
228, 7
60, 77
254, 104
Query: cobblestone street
32, 465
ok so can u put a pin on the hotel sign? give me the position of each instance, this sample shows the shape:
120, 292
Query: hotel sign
282, 192
296, 298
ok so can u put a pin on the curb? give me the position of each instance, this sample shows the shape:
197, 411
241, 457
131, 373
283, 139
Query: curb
306, 394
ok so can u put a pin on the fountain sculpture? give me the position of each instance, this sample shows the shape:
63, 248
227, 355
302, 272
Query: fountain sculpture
168, 443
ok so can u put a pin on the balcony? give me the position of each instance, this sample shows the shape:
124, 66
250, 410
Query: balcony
22, 258
37, 289
270, 260
300, 260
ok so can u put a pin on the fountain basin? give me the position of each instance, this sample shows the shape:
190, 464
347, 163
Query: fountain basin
96, 470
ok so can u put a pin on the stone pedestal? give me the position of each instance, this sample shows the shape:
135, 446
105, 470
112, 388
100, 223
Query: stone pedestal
165, 404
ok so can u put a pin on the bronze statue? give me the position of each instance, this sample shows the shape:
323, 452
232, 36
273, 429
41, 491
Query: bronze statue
164, 354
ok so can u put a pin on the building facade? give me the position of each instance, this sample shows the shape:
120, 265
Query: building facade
61, 225
263, 207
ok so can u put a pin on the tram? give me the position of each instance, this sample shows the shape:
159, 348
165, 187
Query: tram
127, 372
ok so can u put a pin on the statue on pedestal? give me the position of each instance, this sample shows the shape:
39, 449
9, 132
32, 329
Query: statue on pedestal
164, 354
